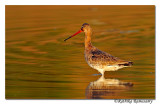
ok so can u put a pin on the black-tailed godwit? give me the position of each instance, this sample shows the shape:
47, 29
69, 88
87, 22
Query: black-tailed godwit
96, 58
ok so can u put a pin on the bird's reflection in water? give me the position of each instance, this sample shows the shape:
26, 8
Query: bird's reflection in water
107, 88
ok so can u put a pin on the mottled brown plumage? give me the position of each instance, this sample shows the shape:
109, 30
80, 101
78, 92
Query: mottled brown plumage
103, 61
98, 59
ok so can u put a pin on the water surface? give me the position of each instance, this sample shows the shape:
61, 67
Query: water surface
40, 65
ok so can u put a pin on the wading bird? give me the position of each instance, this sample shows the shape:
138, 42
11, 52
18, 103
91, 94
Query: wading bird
96, 58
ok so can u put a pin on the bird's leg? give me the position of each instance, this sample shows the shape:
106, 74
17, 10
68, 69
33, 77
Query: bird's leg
102, 72
101, 79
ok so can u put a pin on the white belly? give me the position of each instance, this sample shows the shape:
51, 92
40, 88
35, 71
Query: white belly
102, 68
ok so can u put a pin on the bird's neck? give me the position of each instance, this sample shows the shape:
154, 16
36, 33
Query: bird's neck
88, 43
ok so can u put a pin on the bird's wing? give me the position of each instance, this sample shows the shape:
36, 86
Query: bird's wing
105, 58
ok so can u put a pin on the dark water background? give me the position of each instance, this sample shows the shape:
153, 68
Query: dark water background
40, 65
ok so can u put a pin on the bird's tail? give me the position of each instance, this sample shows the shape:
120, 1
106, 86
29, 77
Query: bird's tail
128, 63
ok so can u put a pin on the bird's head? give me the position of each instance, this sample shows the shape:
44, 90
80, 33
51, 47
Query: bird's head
85, 27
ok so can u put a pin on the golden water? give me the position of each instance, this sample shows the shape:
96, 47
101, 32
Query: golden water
40, 65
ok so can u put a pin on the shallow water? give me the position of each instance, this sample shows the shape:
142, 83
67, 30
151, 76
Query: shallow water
40, 65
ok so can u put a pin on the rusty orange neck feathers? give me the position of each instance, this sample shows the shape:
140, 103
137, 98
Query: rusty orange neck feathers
88, 34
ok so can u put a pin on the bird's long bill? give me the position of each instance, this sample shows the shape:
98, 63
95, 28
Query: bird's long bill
74, 35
